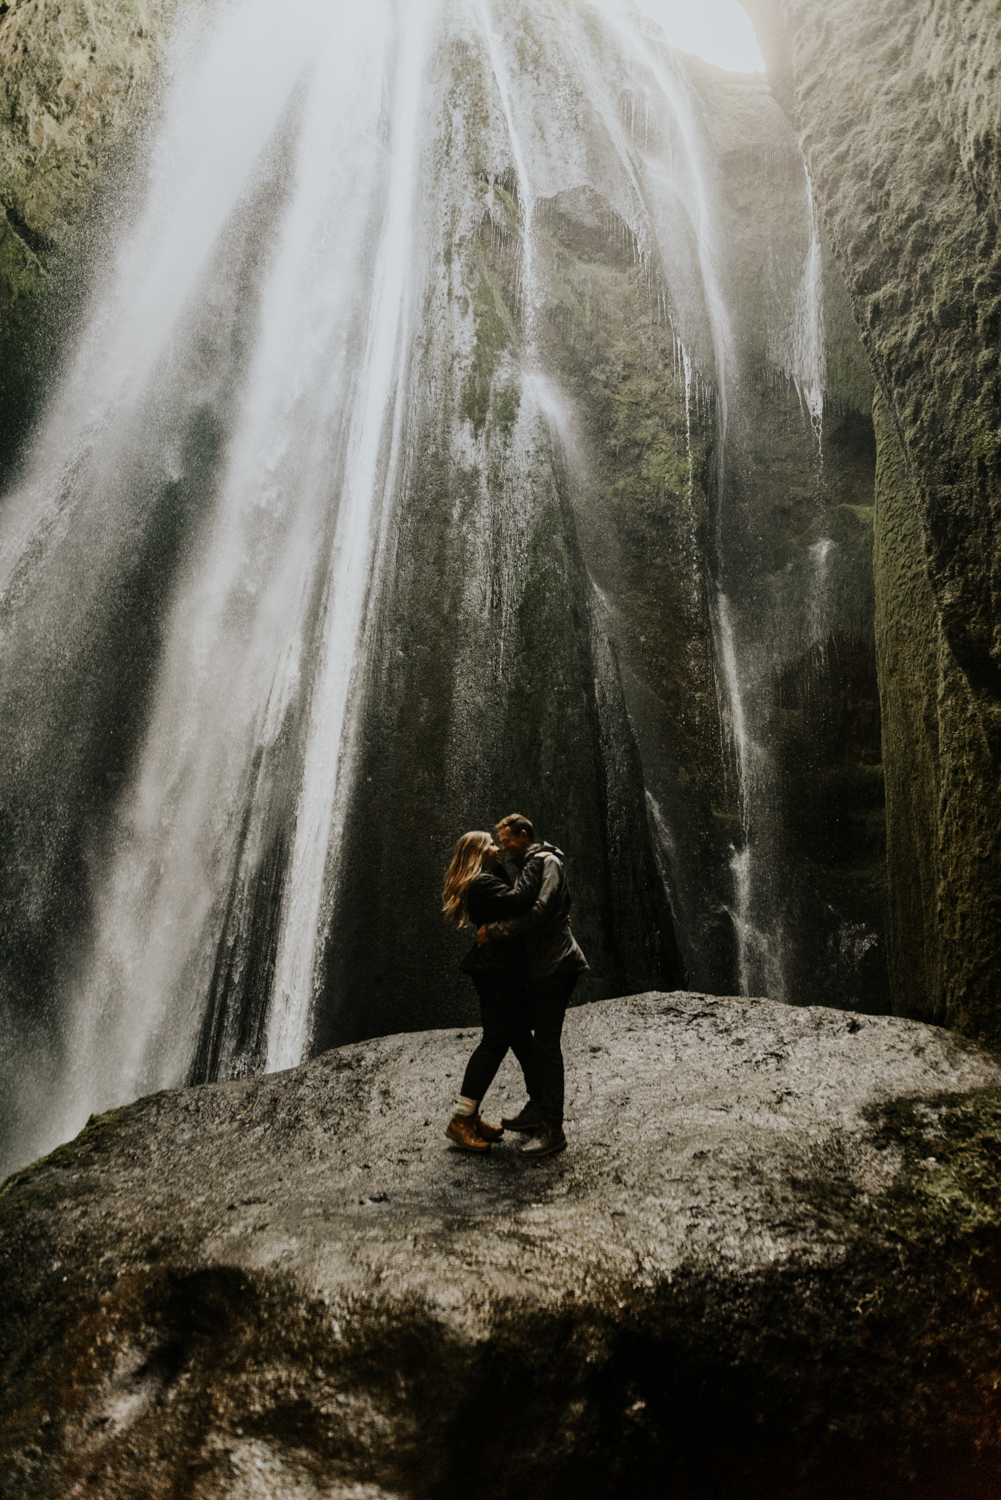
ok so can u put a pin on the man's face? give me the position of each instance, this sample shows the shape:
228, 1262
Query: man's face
513, 843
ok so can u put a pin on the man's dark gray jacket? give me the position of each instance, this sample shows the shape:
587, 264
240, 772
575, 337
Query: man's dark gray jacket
550, 944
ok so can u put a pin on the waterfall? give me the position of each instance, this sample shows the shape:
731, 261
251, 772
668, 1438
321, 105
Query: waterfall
754, 637
269, 617
529, 290
379, 384
317, 414
808, 365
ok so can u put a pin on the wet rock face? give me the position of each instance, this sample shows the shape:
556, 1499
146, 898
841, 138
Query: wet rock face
778, 517
764, 1267
899, 125
794, 541
73, 78
642, 496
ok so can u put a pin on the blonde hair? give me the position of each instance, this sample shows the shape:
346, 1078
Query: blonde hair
467, 862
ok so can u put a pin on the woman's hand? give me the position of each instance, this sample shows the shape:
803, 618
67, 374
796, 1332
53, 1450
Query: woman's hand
481, 936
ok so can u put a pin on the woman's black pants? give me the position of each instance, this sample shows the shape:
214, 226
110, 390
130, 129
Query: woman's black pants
505, 1009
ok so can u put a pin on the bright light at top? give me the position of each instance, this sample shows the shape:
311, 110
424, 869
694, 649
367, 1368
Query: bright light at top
718, 30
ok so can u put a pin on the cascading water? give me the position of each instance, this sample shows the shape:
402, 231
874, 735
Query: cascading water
806, 364
752, 638
254, 692
318, 524
286, 566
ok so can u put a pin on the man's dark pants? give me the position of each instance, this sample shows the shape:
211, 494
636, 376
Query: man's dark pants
505, 1013
550, 998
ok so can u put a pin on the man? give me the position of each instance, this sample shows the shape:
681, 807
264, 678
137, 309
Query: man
555, 963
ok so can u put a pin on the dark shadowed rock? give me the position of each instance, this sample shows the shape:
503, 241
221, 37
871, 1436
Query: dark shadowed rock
767, 1265
897, 112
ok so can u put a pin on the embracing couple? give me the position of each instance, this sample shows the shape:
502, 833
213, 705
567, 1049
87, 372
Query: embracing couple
524, 965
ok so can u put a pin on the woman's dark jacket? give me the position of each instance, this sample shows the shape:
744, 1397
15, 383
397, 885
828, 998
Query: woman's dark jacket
489, 898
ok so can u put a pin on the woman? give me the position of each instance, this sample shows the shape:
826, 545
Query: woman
474, 895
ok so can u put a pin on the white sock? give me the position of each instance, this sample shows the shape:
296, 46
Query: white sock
466, 1106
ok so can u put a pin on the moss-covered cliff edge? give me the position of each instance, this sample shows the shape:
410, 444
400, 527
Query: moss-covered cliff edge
898, 117
73, 78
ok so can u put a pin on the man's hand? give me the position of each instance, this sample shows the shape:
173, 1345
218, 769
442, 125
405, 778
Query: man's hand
481, 936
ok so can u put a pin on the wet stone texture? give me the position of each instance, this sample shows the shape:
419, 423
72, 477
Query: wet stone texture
766, 1266
898, 115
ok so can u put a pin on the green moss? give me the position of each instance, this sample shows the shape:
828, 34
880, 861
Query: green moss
507, 404
34, 1184
986, 446
949, 1192
941, 1218
21, 272
70, 82
506, 200
27, 288
850, 382
494, 333
636, 402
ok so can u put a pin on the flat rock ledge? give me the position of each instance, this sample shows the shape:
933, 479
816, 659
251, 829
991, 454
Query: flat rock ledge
767, 1266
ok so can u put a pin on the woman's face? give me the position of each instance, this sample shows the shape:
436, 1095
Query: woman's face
490, 857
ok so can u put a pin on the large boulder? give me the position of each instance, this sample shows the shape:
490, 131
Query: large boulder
766, 1265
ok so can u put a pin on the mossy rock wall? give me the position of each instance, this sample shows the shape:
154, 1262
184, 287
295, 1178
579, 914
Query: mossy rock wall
791, 548
493, 686
642, 457
898, 118
74, 78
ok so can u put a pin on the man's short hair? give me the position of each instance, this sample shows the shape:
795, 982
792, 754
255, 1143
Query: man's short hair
517, 824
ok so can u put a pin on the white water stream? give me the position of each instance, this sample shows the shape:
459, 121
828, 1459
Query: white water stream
274, 603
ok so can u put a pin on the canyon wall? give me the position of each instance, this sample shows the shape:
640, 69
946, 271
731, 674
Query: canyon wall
659, 511
609, 547
898, 114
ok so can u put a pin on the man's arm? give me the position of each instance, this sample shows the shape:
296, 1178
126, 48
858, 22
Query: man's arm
501, 901
499, 932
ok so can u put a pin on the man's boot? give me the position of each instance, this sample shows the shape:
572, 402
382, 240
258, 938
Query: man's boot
462, 1130
549, 1140
529, 1119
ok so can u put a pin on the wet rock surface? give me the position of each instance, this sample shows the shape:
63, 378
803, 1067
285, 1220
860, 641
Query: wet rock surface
766, 1265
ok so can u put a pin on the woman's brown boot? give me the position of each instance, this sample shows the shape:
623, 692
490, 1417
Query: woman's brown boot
462, 1129
488, 1132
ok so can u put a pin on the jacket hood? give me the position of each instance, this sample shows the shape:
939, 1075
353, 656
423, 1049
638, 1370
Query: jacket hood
545, 848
